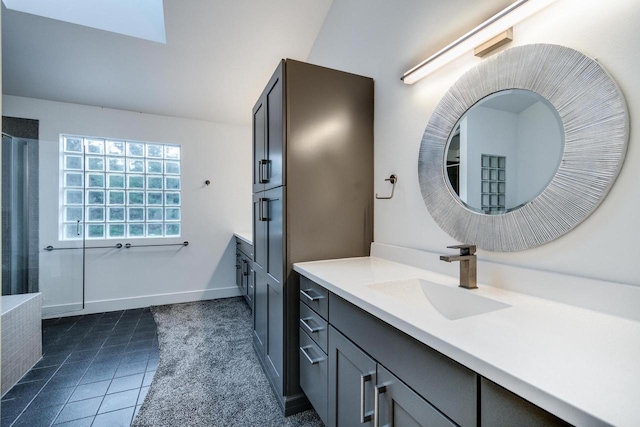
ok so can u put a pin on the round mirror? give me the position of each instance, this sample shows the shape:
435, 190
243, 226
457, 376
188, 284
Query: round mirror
504, 151
554, 171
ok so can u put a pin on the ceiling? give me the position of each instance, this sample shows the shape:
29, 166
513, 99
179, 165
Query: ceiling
218, 57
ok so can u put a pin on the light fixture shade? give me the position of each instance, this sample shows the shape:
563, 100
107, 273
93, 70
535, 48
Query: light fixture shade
497, 24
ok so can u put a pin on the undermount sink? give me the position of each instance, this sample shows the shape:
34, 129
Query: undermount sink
451, 302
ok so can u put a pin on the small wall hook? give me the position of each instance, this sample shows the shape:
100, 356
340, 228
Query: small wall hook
392, 179
207, 182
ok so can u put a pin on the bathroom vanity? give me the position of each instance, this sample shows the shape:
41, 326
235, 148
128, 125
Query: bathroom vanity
374, 345
244, 269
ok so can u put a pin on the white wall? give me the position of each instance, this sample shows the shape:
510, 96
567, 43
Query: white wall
383, 39
539, 150
117, 279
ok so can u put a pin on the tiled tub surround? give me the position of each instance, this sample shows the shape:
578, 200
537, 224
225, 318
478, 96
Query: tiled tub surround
578, 364
21, 336
95, 370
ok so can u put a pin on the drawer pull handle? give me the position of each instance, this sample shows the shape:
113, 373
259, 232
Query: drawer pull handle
379, 389
310, 297
364, 378
309, 328
309, 358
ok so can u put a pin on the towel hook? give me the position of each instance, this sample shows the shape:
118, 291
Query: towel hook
392, 179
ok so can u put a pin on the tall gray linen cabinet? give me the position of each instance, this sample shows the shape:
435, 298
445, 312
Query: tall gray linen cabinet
312, 199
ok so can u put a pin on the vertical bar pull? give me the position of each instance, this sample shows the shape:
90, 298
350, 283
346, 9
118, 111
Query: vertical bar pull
264, 209
379, 389
264, 171
245, 264
78, 228
364, 418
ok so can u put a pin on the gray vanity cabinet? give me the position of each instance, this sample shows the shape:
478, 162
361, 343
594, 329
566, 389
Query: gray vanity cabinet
352, 377
312, 164
244, 270
378, 373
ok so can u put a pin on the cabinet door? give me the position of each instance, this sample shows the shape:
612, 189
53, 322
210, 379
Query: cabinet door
274, 144
260, 312
274, 348
352, 375
268, 125
268, 267
259, 139
273, 217
268, 229
398, 405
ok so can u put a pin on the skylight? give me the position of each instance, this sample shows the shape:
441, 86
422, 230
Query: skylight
136, 18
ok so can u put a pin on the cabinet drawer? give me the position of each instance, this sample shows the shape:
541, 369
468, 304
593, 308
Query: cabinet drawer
244, 247
314, 367
314, 325
315, 296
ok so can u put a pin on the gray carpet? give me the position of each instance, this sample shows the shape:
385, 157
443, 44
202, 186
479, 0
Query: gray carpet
209, 374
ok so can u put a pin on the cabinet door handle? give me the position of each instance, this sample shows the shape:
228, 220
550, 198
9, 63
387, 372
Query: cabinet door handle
379, 389
364, 418
311, 298
261, 209
78, 228
245, 264
309, 358
309, 328
264, 171
265, 209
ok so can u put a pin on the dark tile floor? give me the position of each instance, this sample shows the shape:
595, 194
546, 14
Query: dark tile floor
95, 371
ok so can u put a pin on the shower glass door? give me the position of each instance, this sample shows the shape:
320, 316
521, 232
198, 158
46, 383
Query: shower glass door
42, 241
15, 221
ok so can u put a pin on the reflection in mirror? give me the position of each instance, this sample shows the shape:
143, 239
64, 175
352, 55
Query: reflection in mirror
504, 151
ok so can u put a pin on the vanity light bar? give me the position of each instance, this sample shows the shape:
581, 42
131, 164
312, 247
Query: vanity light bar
489, 29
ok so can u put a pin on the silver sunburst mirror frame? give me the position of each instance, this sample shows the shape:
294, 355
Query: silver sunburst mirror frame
596, 133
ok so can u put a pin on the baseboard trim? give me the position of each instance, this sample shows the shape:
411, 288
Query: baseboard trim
90, 307
296, 403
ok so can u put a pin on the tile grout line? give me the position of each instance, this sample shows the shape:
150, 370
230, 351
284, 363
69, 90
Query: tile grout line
76, 347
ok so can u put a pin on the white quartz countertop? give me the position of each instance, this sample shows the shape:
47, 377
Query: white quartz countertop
581, 365
247, 236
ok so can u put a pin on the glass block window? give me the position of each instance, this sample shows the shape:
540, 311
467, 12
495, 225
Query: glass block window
116, 189
494, 186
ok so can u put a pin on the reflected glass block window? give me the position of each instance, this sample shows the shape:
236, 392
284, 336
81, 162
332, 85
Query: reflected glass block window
494, 186
118, 189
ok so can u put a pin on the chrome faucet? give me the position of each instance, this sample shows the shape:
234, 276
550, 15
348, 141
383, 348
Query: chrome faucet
468, 264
